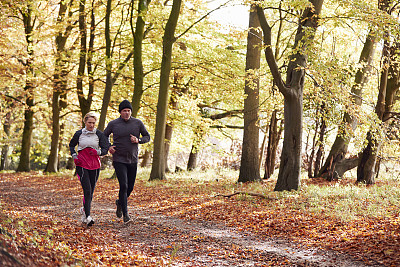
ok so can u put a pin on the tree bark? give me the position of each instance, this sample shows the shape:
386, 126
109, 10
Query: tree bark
249, 163
83, 102
24, 160
192, 162
292, 90
158, 167
6, 147
273, 140
109, 82
137, 56
59, 86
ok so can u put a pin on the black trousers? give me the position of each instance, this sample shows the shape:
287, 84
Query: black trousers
126, 174
88, 179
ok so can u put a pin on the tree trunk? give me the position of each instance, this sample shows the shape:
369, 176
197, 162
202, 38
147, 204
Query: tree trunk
349, 123
6, 147
249, 164
24, 160
109, 81
158, 168
322, 131
59, 88
83, 102
137, 57
146, 159
292, 90
273, 140
192, 162
168, 135
367, 164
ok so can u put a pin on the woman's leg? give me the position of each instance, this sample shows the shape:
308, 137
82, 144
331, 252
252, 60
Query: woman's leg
84, 177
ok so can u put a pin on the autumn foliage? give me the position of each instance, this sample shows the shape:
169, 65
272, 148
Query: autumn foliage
39, 224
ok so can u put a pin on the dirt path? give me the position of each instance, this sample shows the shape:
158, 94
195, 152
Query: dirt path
182, 242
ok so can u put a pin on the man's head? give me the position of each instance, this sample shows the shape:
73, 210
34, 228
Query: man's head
125, 109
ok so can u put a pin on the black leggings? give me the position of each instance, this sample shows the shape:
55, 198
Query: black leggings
126, 174
88, 180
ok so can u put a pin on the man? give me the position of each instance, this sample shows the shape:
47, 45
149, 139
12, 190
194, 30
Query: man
127, 133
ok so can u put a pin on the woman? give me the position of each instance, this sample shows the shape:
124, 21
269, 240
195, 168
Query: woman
92, 144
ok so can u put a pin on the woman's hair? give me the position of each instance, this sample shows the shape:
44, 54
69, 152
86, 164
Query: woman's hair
90, 115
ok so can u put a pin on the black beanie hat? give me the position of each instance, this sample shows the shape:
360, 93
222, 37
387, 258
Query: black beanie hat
124, 104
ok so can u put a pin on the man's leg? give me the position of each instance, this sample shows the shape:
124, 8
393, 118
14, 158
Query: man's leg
122, 175
132, 170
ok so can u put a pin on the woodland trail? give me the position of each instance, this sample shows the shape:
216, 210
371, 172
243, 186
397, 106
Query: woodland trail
46, 202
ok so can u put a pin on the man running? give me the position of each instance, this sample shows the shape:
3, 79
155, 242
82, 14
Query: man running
127, 133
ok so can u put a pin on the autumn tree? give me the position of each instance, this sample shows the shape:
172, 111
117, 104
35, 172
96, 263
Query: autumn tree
249, 164
28, 18
60, 80
158, 168
292, 90
388, 86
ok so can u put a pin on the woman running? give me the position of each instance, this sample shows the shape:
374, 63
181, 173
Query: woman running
92, 144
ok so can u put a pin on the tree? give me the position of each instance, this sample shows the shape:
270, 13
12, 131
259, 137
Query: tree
138, 36
388, 86
292, 90
249, 164
59, 81
29, 24
158, 168
110, 78
335, 162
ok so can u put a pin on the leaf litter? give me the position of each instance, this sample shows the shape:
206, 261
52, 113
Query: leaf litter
39, 227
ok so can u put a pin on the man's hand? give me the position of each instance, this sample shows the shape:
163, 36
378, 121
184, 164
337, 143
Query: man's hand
112, 149
134, 139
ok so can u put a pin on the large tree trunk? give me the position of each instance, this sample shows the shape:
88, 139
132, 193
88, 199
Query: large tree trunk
24, 160
137, 57
59, 87
345, 132
292, 90
249, 163
158, 167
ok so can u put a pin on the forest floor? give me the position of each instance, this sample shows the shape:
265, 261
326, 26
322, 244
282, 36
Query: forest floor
178, 224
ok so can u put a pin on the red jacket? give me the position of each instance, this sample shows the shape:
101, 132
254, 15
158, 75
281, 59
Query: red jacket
88, 159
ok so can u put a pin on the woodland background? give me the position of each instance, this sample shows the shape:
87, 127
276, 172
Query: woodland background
211, 95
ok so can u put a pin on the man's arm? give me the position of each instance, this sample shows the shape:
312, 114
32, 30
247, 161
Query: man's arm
145, 135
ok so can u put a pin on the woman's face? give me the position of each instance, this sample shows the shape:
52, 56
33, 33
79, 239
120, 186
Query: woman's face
90, 123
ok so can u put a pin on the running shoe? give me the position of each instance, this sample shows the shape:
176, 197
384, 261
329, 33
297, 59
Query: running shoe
89, 221
127, 219
118, 212
83, 215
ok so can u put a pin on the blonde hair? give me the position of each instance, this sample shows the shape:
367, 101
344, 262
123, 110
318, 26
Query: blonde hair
90, 115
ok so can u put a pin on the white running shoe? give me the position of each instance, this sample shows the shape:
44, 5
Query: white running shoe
83, 215
89, 221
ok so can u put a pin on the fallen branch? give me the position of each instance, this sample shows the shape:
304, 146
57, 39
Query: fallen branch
249, 194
